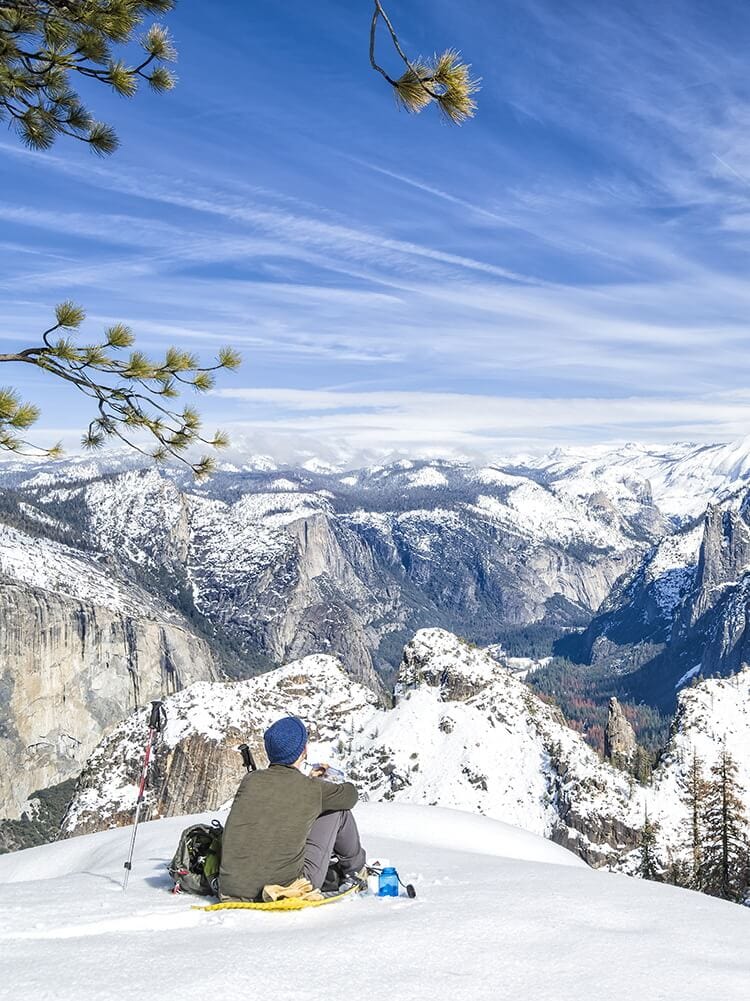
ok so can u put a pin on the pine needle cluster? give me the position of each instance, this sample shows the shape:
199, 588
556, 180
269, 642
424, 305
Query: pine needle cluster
442, 79
45, 45
131, 392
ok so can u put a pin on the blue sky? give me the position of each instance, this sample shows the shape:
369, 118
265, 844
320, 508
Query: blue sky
571, 266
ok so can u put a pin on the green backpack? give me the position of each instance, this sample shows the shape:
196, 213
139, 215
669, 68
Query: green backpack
195, 866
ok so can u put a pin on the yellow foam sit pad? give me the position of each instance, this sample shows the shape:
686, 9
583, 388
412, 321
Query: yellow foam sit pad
286, 904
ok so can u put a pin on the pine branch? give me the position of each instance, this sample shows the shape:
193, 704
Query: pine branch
130, 393
46, 44
443, 79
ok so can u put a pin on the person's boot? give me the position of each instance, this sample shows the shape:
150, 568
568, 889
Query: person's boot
356, 878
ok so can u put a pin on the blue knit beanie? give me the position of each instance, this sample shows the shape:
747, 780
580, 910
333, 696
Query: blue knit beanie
285, 740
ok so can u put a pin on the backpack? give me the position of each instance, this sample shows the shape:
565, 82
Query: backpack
195, 865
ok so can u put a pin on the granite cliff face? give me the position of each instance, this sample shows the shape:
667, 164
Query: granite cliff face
71, 664
683, 613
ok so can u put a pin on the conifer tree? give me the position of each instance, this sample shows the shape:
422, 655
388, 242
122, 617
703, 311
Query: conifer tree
642, 764
725, 856
694, 791
648, 867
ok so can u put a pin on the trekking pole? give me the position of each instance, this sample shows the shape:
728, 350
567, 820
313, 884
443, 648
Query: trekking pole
156, 723
247, 758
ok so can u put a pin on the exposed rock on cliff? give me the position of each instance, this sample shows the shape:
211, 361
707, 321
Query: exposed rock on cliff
196, 763
78, 649
464, 733
619, 736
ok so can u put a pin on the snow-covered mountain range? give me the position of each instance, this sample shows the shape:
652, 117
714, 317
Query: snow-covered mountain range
119, 583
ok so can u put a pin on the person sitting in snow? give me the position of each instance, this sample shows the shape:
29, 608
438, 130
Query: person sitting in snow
284, 826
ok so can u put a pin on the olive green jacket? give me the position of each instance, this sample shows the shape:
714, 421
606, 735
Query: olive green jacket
265, 833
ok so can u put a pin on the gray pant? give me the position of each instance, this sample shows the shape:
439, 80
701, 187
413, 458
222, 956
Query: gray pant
333, 833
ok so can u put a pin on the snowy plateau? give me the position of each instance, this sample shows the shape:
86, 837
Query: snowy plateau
500, 913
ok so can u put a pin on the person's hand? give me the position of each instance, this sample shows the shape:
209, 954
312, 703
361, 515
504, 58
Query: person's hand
319, 771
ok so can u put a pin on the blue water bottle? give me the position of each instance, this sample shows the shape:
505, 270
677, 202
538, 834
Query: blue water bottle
388, 882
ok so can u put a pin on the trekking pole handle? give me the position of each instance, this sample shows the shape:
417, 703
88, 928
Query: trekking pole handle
247, 758
158, 718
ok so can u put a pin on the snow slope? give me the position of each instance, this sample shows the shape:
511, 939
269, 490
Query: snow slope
682, 478
500, 914
464, 733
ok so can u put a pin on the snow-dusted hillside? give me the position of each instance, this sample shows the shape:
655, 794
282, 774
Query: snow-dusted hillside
500, 914
682, 478
87, 576
683, 612
464, 732
711, 716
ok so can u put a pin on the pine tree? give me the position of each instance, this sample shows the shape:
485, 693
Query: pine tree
694, 789
442, 80
642, 764
648, 867
726, 843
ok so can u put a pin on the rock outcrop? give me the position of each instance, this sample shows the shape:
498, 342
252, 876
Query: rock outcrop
464, 733
69, 671
196, 764
619, 736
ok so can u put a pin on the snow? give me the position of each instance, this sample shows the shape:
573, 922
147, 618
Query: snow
681, 477
55, 567
428, 476
711, 717
688, 675
491, 475
671, 568
500, 914
541, 514
283, 484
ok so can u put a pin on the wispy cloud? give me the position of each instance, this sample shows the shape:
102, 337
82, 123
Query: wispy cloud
572, 264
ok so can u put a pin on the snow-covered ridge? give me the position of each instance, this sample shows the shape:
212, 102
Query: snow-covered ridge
465, 733
52, 566
682, 478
